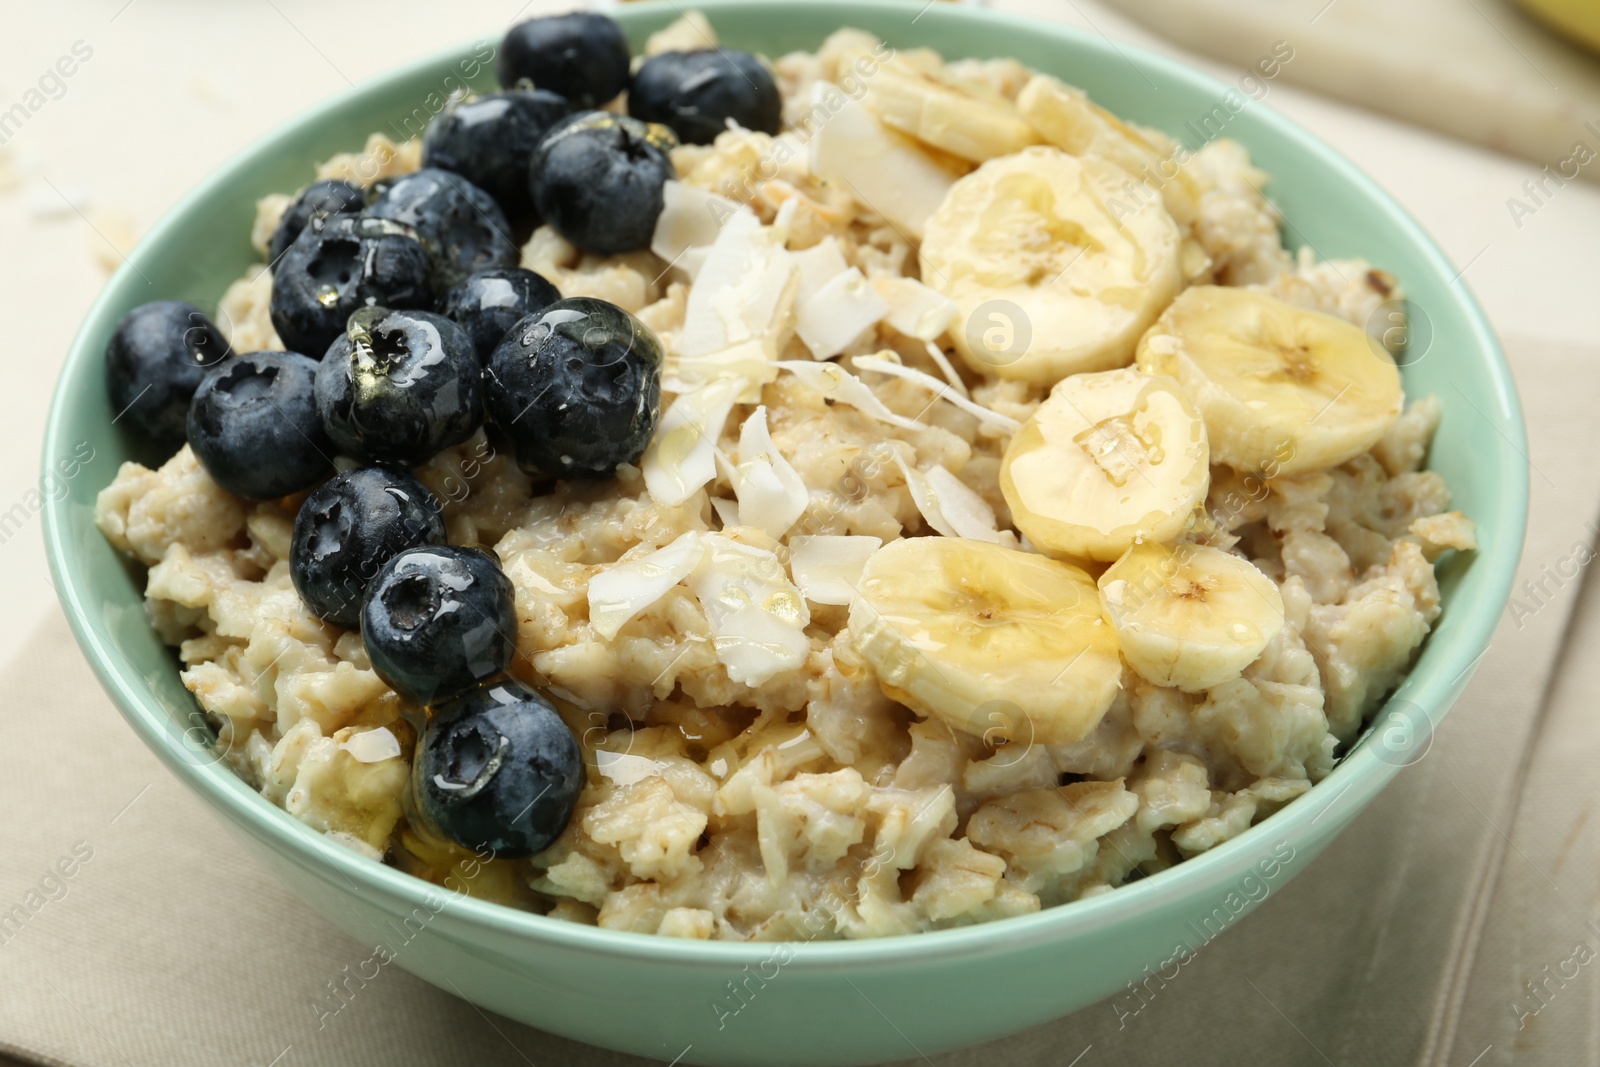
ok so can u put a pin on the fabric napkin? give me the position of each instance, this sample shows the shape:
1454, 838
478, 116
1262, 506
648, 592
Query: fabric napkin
1482, 71
1533, 995
157, 940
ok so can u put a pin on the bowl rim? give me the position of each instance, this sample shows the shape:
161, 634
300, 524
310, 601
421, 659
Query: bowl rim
1351, 784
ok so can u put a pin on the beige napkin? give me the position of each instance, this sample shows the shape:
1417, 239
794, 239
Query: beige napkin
167, 945
1483, 71
1542, 923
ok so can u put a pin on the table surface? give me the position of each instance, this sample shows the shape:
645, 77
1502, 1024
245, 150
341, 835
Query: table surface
171, 90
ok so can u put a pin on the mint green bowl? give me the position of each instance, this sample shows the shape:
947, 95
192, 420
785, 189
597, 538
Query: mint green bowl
812, 1003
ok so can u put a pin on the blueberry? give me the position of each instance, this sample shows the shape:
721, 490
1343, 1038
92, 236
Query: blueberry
498, 771
253, 423
438, 621
348, 528
398, 386
155, 360
490, 302
488, 141
697, 92
577, 388
460, 224
598, 179
317, 203
582, 56
350, 262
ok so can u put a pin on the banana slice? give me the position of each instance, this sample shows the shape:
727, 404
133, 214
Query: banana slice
1052, 269
1282, 388
998, 643
1066, 117
1189, 616
944, 112
1107, 460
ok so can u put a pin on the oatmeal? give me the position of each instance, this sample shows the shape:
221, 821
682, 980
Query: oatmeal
900, 620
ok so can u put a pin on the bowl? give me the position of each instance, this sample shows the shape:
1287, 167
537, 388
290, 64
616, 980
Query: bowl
811, 1003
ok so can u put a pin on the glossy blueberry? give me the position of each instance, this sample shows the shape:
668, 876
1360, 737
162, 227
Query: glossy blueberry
348, 528
490, 302
397, 386
254, 425
488, 141
498, 771
696, 93
316, 204
598, 179
460, 224
577, 389
438, 621
155, 360
581, 56
350, 262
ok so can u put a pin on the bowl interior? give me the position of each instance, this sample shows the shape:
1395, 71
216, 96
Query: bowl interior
196, 250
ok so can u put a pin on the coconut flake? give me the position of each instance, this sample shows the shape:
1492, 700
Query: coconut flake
817, 266
942, 361
968, 513
922, 496
372, 746
783, 224
626, 588
842, 310
692, 260
948, 504
838, 384
742, 292
827, 567
883, 169
1003, 423
690, 217
753, 361
756, 615
770, 491
624, 768
727, 511
915, 309
682, 456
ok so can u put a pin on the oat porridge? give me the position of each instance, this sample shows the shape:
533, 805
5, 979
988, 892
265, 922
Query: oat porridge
843, 495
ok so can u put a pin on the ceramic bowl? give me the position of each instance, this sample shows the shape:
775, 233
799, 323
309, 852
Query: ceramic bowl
812, 1003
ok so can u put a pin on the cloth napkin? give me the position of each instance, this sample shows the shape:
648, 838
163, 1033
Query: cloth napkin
1534, 994
1483, 71
160, 941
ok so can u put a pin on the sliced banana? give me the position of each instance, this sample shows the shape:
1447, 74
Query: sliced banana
949, 114
998, 643
1282, 388
1066, 117
1189, 616
1052, 271
1107, 460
